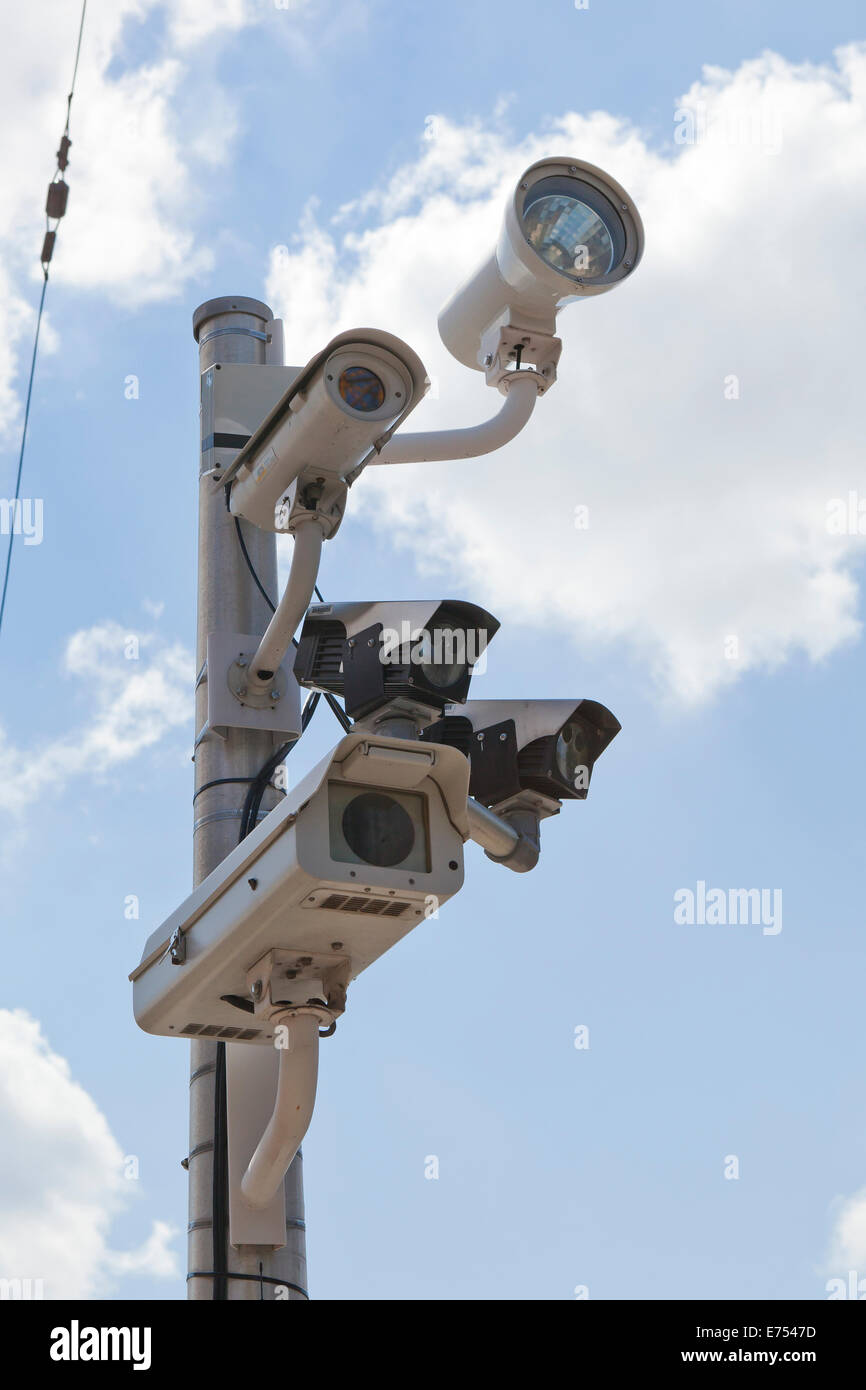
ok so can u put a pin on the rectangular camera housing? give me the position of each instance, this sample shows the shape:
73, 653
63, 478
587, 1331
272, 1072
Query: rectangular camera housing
512, 745
370, 653
297, 886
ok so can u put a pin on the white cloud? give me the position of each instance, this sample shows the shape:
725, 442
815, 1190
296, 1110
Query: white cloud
142, 139
135, 701
192, 21
154, 1257
707, 515
848, 1241
61, 1176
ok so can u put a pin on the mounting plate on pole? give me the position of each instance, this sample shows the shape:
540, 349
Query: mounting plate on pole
230, 705
251, 1085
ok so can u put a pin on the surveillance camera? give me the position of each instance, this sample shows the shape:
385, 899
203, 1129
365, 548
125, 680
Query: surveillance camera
544, 748
393, 656
570, 230
367, 846
350, 396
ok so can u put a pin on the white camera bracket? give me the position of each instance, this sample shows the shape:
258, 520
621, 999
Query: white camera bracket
504, 349
314, 495
283, 982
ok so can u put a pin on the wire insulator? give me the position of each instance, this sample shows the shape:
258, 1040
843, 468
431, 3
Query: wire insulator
48, 247
63, 152
55, 203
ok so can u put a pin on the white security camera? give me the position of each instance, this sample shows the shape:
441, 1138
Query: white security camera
393, 657
365, 848
570, 230
351, 395
362, 850
527, 752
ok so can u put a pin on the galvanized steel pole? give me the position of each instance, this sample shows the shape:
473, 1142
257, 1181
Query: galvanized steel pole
229, 330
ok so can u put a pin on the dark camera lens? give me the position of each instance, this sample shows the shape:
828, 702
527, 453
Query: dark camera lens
361, 389
572, 751
378, 829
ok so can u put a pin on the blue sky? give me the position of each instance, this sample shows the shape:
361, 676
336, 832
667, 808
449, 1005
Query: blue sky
558, 1167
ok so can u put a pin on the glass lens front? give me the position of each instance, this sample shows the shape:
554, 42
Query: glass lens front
361, 389
572, 752
568, 235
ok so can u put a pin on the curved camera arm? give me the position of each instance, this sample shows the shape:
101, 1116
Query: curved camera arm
439, 445
294, 603
293, 1110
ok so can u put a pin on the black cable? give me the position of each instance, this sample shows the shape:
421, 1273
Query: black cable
259, 784
47, 247
338, 710
220, 1178
259, 1278
257, 788
250, 566
219, 782
23, 442
75, 68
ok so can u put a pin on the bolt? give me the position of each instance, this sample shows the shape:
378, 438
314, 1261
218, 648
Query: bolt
275, 694
369, 641
624, 207
336, 945
304, 960
351, 641
242, 661
627, 265
480, 737
488, 361
254, 883
502, 738
256, 990
572, 168
290, 974
524, 185
243, 690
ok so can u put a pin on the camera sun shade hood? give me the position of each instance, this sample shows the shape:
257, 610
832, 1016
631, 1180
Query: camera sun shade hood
375, 337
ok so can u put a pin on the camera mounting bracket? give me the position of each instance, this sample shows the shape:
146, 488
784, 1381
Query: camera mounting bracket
234, 702
504, 349
315, 494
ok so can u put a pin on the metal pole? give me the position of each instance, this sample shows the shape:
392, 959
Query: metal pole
229, 330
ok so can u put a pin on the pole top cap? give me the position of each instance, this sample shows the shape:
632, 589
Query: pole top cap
229, 304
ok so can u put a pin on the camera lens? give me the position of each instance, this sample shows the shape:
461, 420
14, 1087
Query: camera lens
361, 389
443, 657
378, 829
573, 228
572, 752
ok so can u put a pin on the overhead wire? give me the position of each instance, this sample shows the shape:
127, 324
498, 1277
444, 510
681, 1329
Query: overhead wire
55, 208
